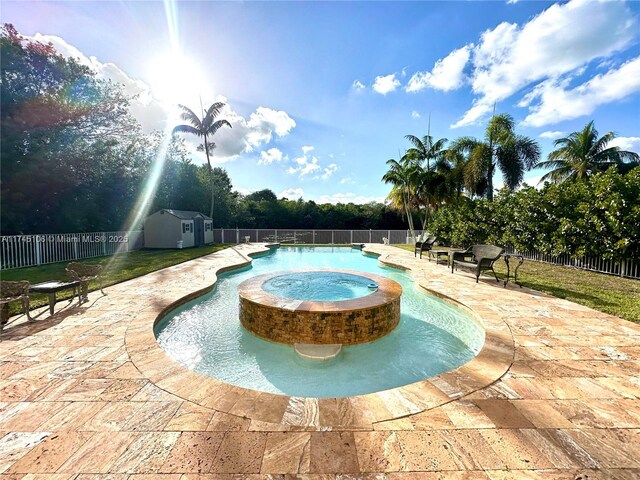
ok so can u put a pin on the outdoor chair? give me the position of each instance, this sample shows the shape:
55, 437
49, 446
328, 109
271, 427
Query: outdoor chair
13, 291
424, 246
477, 257
84, 273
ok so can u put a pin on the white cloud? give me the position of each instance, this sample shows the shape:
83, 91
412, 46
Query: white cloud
270, 156
292, 193
556, 102
304, 166
358, 86
244, 137
386, 84
630, 144
558, 42
473, 114
151, 113
447, 73
348, 197
328, 171
552, 134
347, 180
415, 115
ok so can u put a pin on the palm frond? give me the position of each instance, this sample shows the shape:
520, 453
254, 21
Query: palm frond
213, 128
187, 129
189, 116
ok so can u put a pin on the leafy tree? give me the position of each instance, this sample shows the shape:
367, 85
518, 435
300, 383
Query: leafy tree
204, 127
502, 148
583, 153
61, 128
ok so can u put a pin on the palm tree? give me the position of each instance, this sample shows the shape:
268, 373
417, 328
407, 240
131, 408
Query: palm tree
400, 176
513, 154
205, 128
582, 153
425, 149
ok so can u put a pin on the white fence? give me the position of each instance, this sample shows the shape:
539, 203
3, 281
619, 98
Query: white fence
17, 251
628, 268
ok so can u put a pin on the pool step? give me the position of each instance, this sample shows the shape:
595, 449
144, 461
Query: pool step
312, 351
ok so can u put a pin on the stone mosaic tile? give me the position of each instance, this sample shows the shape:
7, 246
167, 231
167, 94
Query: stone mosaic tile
89, 395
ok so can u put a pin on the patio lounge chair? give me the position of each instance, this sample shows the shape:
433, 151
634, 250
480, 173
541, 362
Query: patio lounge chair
83, 273
478, 258
12, 291
425, 245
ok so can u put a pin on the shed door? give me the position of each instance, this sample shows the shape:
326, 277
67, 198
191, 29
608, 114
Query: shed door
198, 223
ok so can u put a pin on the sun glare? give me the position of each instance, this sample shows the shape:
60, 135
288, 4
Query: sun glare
177, 79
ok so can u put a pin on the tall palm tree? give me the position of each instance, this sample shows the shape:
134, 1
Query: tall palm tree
400, 175
581, 153
204, 127
513, 154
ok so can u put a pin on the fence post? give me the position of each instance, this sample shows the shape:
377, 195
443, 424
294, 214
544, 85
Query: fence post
369, 235
257, 235
623, 264
351, 232
313, 237
38, 251
237, 235
222, 235
332, 242
276, 236
294, 237
75, 246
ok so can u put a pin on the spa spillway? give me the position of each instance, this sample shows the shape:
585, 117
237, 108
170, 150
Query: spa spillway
320, 306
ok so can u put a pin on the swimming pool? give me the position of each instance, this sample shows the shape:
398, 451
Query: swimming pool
206, 335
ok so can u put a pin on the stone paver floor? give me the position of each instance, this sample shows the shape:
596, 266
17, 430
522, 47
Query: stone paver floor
86, 394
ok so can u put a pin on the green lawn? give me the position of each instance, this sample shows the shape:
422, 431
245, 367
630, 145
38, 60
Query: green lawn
119, 268
607, 293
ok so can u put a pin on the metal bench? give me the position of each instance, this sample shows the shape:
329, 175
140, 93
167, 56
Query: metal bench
13, 291
83, 273
478, 258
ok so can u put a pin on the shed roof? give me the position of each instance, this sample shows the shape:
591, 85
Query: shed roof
186, 214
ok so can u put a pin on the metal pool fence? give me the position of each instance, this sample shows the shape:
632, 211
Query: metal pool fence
311, 237
19, 251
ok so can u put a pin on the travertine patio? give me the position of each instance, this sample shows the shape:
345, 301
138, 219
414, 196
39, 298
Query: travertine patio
553, 394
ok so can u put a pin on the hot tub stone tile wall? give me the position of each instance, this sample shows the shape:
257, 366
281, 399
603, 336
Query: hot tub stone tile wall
294, 326
347, 322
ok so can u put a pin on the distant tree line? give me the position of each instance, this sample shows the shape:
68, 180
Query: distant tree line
73, 159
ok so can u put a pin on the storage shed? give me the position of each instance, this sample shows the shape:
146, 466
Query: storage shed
167, 228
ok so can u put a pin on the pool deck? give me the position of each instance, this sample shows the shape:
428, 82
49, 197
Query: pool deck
554, 393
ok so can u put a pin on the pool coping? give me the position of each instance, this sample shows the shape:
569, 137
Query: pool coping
362, 411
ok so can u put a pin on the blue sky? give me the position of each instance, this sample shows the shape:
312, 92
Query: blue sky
321, 94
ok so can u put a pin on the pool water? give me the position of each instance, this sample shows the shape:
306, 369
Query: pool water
319, 286
206, 335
